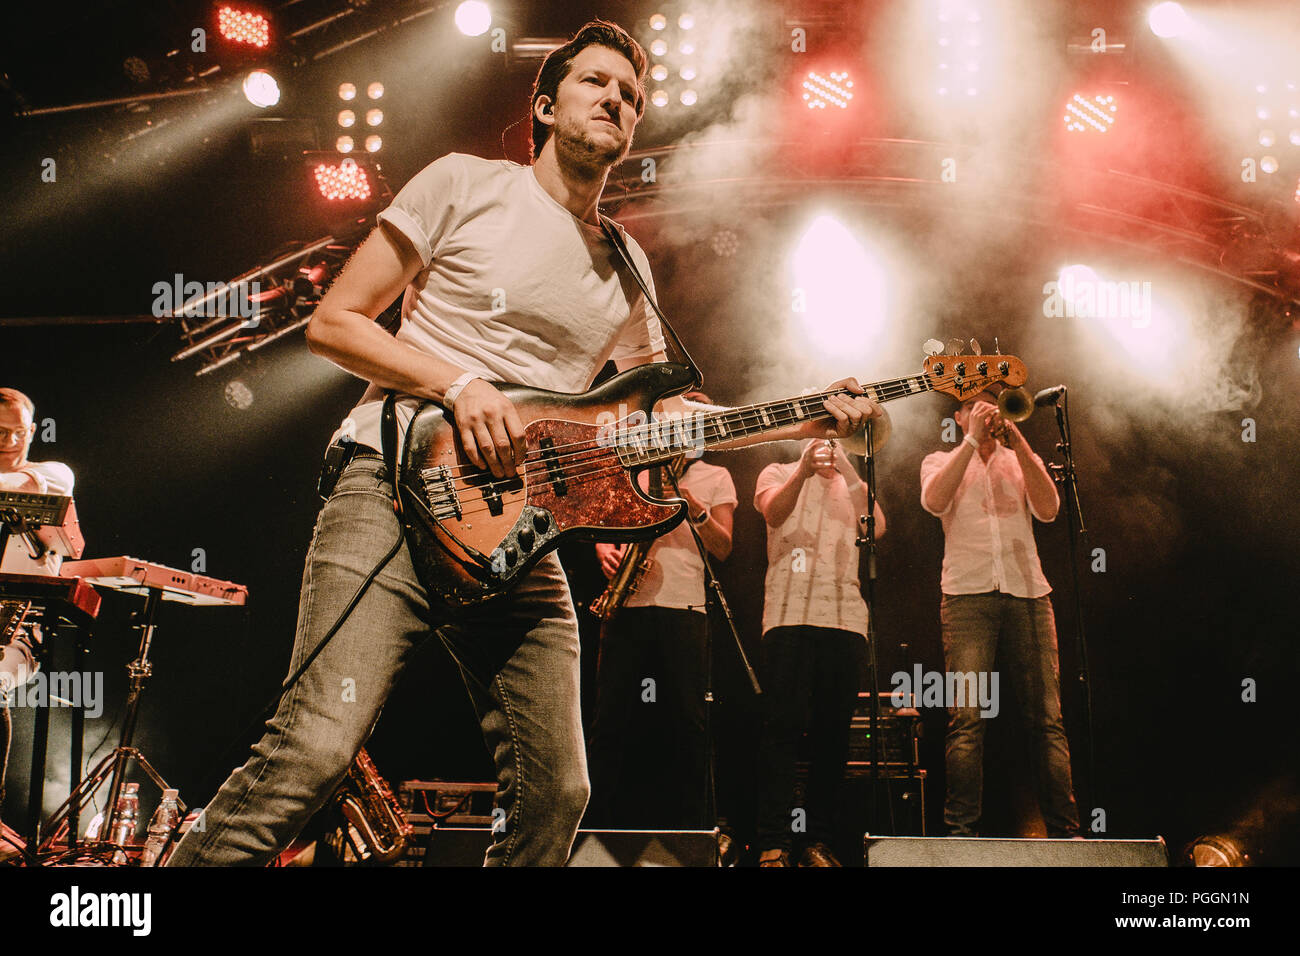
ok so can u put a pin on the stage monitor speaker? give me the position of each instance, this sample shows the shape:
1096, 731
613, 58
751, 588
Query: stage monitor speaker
458, 846
983, 851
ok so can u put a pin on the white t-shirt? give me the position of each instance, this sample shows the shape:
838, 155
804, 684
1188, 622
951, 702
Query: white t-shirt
52, 478
514, 286
988, 537
676, 576
812, 560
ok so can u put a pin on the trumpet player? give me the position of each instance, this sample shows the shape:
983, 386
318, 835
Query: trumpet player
648, 753
996, 602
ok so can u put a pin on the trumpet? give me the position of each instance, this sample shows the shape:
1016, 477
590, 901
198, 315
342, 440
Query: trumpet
1014, 405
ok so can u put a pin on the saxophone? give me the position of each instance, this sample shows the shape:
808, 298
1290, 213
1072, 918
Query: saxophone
633, 566
373, 828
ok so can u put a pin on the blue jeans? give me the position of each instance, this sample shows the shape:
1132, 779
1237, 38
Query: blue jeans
975, 628
518, 658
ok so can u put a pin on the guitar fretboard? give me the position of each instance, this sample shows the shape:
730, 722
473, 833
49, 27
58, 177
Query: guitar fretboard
656, 442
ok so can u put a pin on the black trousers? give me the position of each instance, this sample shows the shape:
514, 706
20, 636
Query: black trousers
648, 755
810, 682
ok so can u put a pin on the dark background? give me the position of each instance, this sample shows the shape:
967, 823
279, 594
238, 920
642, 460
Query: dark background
1199, 528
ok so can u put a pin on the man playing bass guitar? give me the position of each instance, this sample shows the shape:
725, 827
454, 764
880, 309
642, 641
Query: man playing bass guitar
513, 281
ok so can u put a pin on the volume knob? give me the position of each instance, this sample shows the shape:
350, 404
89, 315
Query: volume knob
541, 520
525, 537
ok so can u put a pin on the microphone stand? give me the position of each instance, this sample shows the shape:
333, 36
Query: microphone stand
1065, 476
714, 597
866, 543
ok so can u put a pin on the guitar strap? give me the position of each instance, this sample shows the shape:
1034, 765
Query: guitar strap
388, 439
612, 233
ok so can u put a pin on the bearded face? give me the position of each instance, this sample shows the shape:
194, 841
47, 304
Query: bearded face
595, 111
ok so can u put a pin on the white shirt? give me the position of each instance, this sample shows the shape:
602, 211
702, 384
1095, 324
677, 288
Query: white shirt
52, 478
676, 575
812, 558
989, 539
514, 286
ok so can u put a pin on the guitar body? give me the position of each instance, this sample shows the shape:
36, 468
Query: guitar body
472, 536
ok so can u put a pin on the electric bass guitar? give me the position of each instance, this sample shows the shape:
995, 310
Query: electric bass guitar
473, 536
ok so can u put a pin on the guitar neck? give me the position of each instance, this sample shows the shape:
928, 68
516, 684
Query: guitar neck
655, 443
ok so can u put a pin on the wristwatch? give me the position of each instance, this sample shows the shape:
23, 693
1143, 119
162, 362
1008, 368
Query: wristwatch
699, 519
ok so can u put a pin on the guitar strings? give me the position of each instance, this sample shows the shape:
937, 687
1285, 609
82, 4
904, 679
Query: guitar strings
607, 467
895, 388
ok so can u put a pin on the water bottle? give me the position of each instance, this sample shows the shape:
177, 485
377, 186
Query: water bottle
160, 828
127, 818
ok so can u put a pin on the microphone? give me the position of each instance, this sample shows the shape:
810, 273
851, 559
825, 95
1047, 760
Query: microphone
1049, 396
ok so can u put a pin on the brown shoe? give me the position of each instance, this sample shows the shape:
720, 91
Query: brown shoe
818, 854
782, 858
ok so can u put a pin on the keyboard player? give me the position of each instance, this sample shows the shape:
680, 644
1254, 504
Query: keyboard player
17, 473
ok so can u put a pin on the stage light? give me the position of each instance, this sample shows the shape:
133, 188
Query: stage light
659, 72
658, 47
347, 180
373, 144
1073, 278
659, 97
1263, 112
347, 92
658, 21
261, 89
344, 144
1217, 850
1167, 20
1295, 137
473, 18
239, 26
1268, 164
374, 117
1083, 113
1297, 191
238, 395
1267, 138
688, 73
724, 243
687, 49
841, 289
822, 90
375, 90
347, 118
686, 21
689, 97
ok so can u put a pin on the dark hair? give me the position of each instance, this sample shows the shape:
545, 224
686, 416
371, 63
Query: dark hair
11, 396
558, 62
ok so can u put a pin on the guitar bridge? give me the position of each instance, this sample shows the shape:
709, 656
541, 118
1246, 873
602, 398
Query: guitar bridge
440, 492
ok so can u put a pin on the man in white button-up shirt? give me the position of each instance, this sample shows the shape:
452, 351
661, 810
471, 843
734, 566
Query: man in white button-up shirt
995, 598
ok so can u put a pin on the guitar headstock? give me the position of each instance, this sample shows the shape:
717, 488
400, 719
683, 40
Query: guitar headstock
962, 376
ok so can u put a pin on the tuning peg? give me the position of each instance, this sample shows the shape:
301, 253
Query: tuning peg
997, 349
932, 347
955, 346
975, 347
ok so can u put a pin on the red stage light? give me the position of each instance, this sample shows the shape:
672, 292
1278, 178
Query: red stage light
346, 180
834, 89
241, 26
1096, 112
